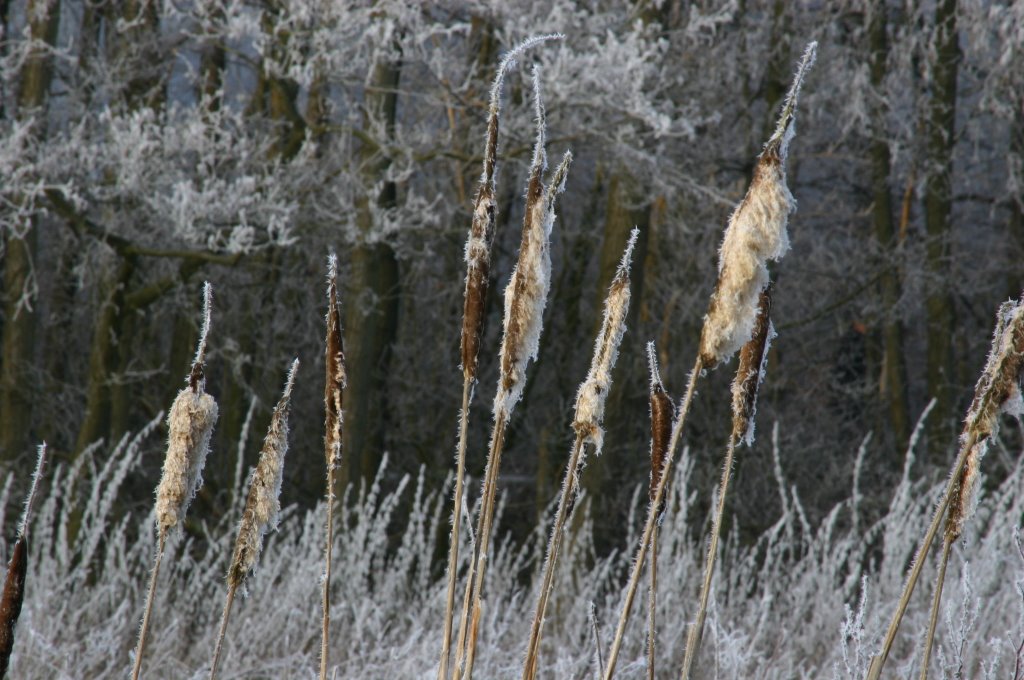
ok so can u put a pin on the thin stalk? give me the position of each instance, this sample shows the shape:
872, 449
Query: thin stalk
652, 601
652, 519
554, 544
467, 599
453, 551
696, 632
161, 542
483, 535
878, 662
325, 625
940, 580
221, 631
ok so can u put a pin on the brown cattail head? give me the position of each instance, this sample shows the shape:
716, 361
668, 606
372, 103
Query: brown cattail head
262, 505
662, 414
750, 372
593, 393
998, 390
756, 233
527, 291
190, 426
334, 362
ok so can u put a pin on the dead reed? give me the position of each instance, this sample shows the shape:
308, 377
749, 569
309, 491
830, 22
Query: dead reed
749, 376
661, 430
755, 234
334, 386
996, 391
17, 570
588, 425
262, 506
525, 299
190, 426
478, 266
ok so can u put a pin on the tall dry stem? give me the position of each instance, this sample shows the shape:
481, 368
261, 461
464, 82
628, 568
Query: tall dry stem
661, 431
997, 390
588, 425
17, 570
749, 375
334, 386
190, 425
478, 265
262, 507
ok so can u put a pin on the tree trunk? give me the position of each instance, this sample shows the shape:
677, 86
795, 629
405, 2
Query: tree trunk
371, 305
893, 382
938, 203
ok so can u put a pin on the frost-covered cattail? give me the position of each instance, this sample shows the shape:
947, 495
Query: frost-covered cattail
527, 291
262, 504
17, 570
750, 373
997, 391
481, 233
190, 425
661, 421
756, 234
334, 361
593, 393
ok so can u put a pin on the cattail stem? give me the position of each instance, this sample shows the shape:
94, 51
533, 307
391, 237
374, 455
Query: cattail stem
137, 667
652, 601
652, 519
933, 620
325, 624
483, 537
550, 562
222, 630
696, 631
453, 551
878, 661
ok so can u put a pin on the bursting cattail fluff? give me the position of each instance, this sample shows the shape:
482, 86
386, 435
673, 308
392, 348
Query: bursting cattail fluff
756, 234
527, 291
593, 393
262, 505
190, 425
661, 422
997, 391
334, 361
481, 233
750, 372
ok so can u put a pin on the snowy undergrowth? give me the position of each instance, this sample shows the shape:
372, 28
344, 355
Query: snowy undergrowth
803, 602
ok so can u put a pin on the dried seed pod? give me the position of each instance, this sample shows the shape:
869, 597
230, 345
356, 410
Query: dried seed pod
662, 412
334, 362
750, 372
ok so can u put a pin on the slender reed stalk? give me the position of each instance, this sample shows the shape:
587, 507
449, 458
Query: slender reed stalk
525, 299
190, 425
588, 425
997, 391
478, 265
334, 386
262, 507
661, 431
933, 618
17, 570
755, 234
749, 375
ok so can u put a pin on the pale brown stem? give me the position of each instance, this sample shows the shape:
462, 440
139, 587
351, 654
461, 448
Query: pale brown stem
222, 631
696, 632
933, 621
550, 562
453, 550
483, 535
161, 542
325, 626
652, 601
878, 661
652, 519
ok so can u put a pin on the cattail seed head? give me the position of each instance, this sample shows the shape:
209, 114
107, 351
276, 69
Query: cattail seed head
262, 505
593, 393
662, 414
997, 391
750, 372
756, 233
334, 362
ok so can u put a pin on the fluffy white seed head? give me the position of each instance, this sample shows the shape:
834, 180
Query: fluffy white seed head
262, 505
593, 393
190, 425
